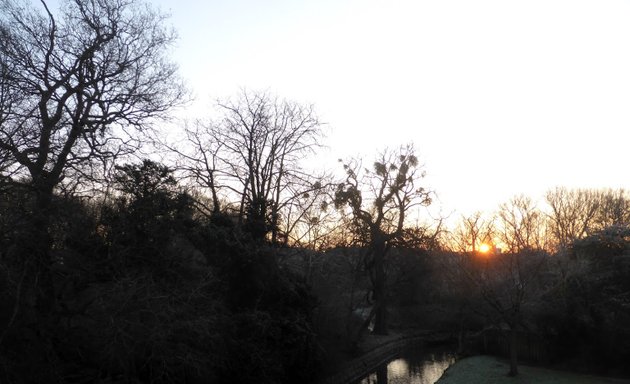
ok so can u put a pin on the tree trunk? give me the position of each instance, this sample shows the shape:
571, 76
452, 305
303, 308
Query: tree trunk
274, 224
380, 320
379, 289
513, 343
40, 249
216, 204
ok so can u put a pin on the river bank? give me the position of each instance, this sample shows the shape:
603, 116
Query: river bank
378, 349
492, 370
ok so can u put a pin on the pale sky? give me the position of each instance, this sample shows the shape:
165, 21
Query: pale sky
500, 97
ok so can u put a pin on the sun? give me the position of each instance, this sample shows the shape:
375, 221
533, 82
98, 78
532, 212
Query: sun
484, 248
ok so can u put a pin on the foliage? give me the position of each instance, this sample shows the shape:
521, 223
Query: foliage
79, 88
142, 221
147, 293
591, 313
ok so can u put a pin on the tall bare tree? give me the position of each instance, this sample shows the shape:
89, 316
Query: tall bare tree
200, 160
253, 154
380, 200
83, 82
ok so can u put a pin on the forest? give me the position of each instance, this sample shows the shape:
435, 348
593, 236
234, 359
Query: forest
213, 254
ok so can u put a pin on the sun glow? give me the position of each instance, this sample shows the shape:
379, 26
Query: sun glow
484, 248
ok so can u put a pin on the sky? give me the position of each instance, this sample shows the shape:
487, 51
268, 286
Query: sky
499, 97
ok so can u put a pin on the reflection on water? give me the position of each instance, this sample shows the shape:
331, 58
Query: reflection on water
411, 368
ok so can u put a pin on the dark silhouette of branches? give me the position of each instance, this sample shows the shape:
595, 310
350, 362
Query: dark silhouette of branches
379, 200
252, 156
79, 88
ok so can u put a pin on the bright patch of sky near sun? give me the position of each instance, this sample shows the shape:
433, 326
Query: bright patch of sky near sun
499, 97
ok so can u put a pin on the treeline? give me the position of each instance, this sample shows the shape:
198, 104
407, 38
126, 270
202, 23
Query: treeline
558, 272
145, 288
110, 270
558, 276
564, 216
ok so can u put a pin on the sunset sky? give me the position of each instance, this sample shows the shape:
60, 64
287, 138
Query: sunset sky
499, 97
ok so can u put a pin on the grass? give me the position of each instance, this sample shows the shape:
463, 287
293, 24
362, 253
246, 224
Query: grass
490, 370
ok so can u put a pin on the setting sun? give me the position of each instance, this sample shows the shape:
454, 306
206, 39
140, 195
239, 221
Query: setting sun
484, 248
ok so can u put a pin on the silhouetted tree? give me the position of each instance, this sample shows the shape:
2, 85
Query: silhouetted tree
379, 201
145, 181
522, 226
149, 213
82, 84
505, 284
200, 159
471, 232
8, 98
464, 242
572, 214
262, 140
614, 209
577, 213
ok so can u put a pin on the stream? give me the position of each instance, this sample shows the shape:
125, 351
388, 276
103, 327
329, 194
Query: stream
411, 367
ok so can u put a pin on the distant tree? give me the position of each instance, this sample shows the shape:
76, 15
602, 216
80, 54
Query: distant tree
253, 154
505, 284
201, 161
498, 284
577, 213
82, 84
464, 243
522, 226
379, 201
614, 209
573, 213
471, 232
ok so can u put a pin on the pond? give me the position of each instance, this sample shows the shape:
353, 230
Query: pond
412, 367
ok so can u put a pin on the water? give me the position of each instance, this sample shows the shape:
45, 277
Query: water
412, 367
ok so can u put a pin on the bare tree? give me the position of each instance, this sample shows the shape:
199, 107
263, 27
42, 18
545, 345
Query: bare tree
522, 226
573, 213
614, 209
8, 98
471, 232
200, 161
379, 200
310, 221
499, 285
502, 285
253, 154
83, 83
